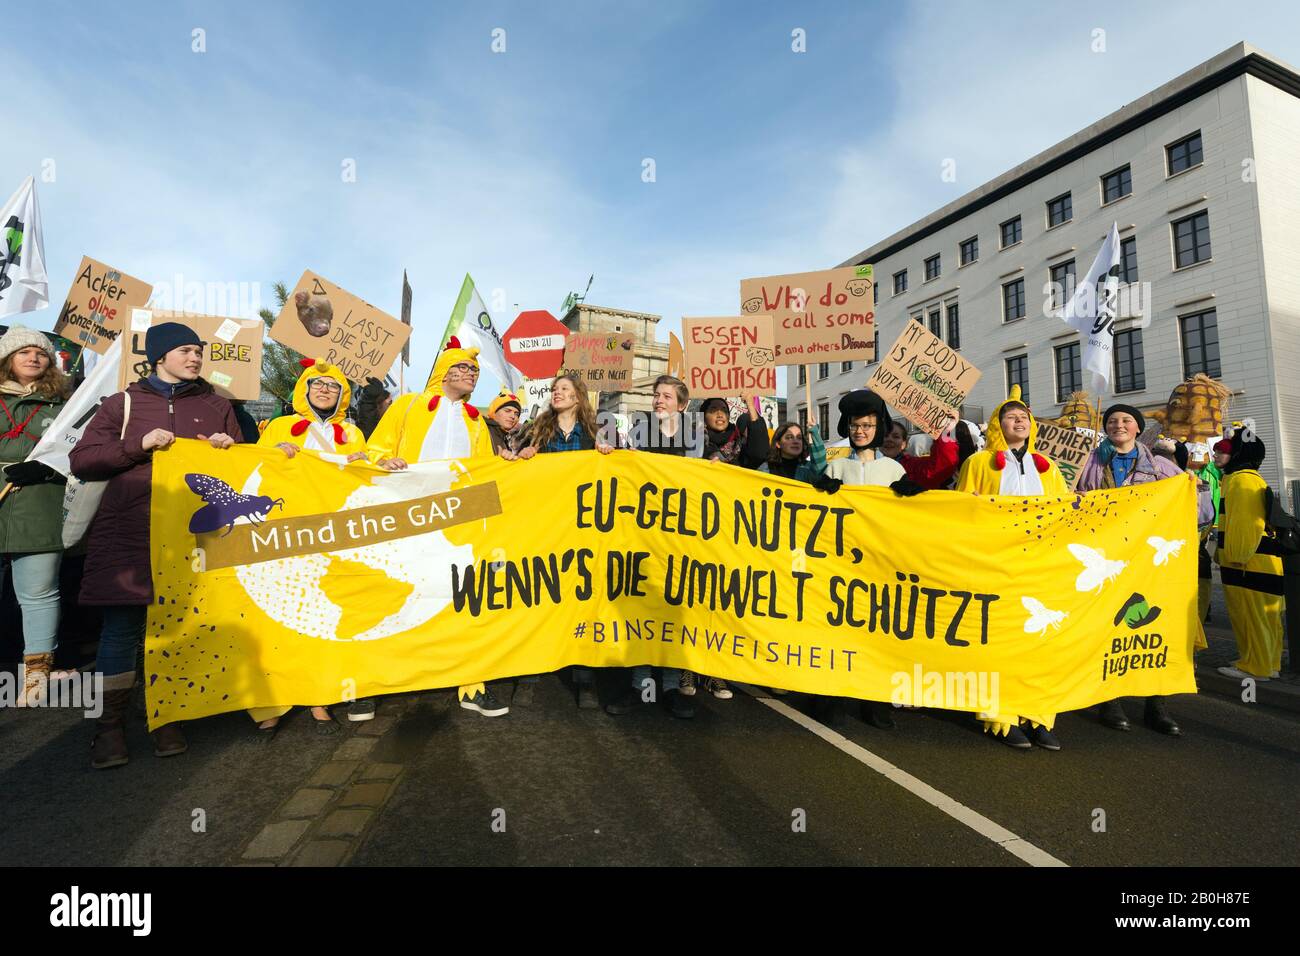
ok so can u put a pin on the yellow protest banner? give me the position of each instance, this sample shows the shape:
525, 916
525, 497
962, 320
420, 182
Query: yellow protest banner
298, 581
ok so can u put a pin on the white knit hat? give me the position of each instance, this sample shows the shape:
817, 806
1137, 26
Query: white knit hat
21, 337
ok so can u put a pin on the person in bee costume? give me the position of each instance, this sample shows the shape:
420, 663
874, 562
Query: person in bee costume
318, 426
1008, 465
1250, 562
436, 424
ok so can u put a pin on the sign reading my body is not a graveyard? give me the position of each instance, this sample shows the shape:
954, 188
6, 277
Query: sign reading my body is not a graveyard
924, 379
323, 321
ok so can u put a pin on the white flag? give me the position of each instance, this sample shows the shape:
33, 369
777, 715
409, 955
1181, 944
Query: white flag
472, 323
62, 434
23, 283
1091, 310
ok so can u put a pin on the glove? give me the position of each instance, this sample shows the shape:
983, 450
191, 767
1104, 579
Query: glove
32, 473
828, 484
906, 487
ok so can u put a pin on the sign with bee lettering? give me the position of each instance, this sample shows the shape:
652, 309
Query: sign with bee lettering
817, 316
322, 321
232, 350
603, 361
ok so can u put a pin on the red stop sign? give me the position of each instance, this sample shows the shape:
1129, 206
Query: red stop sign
535, 343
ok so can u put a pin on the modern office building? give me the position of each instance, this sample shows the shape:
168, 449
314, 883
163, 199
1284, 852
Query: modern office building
1203, 177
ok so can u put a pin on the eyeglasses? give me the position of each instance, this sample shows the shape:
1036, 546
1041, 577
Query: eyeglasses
325, 385
464, 368
862, 428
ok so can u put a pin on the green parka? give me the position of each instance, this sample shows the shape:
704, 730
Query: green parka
31, 516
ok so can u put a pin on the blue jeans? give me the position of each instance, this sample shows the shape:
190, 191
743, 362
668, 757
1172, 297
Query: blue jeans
120, 640
36, 584
670, 677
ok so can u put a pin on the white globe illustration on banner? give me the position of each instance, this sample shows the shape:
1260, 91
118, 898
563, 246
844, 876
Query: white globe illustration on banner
290, 590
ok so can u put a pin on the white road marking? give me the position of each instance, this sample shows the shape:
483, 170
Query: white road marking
941, 801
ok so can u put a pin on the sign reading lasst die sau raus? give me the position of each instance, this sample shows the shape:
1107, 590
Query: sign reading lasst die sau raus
279, 580
817, 316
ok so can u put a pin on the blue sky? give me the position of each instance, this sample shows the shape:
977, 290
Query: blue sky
524, 168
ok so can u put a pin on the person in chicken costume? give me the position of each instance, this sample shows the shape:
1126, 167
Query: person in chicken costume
1008, 465
318, 426
439, 423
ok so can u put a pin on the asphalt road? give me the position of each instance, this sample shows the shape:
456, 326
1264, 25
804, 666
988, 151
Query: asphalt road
748, 781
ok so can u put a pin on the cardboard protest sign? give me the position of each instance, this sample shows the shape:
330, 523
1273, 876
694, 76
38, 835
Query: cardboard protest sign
535, 397
817, 316
232, 350
924, 379
1068, 447
730, 356
604, 361
100, 299
323, 321
764, 407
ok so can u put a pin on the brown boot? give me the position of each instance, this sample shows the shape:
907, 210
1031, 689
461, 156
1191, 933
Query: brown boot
36, 679
168, 740
109, 747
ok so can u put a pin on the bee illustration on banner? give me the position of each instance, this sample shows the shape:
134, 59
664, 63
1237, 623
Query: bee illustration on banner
1164, 549
1097, 570
1041, 617
224, 505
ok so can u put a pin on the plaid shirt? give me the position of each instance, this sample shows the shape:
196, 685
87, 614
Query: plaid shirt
569, 442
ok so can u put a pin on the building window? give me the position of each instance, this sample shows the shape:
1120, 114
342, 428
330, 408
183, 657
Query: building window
1010, 232
875, 345
1059, 210
1069, 372
1116, 185
1062, 276
1191, 240
1200, 334
823, 370
803, 420
824, 419
900, 282
803, 374
970, 250
1013, 300
1128, 260
846, 367
1130, 376
1018, 374
875, 294
932, 267
936, 327
1184, 154
954, 327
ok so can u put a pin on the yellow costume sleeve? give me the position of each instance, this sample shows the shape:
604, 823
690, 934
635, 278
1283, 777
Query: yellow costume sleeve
1243, 518
387, 436
1053, 481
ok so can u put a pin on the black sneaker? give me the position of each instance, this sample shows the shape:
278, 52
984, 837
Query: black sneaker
623, 703
485, 704
679, 705
587, 699
1042, 737
1113, 716
363, 709
1015, 738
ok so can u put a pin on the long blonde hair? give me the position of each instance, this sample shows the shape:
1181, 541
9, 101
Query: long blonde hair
52, 384
547, 423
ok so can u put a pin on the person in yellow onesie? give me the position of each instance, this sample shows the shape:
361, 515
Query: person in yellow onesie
1250, 563
318, 426
1008, 465
440, 423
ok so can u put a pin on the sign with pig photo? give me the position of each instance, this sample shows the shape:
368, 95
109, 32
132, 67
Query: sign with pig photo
817, 316
232, 350
322, 321
924, 379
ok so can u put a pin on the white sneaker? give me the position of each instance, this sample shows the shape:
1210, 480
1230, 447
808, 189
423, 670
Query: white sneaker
687, 687
1236, 674
718, 688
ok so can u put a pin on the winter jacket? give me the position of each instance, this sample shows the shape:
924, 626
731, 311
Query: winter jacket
1097, 475
743, 443
31, 516
935, 470
117, 570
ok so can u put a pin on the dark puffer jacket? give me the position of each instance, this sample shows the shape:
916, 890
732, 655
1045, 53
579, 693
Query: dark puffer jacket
117, 558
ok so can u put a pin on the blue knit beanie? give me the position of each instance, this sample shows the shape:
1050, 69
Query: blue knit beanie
162, 338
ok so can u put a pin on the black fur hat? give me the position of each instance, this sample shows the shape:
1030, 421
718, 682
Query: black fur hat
861, 402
